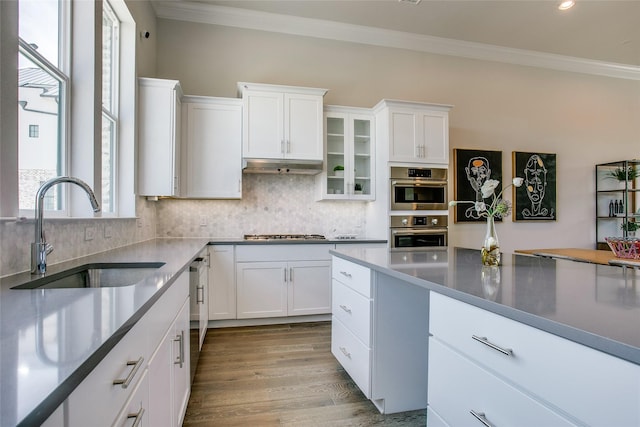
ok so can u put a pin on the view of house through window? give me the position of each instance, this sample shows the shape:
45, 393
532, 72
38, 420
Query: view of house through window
41, 102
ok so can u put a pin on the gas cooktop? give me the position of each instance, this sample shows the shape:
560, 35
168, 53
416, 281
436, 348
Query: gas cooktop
284, 237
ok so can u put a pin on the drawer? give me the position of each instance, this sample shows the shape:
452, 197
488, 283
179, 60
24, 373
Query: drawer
97, 398
353, 275
458, 386
582, 378
353, 310
354, 356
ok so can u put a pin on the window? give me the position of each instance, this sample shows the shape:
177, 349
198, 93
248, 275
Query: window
110, 90
34, 131
42, 100
79, 132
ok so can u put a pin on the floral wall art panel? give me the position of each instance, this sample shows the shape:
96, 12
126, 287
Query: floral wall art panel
471, 169
535, 200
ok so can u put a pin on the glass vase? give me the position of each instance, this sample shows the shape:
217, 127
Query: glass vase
491, 246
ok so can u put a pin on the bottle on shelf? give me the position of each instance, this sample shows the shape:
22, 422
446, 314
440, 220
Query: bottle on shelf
621, 207
611, 211
615, 208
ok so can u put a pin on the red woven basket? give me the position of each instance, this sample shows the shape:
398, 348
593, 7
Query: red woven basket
628, 247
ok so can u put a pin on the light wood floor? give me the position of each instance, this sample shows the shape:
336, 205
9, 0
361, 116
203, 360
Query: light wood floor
282, 375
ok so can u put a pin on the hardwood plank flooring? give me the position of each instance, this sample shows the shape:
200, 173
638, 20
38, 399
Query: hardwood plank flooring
280, 375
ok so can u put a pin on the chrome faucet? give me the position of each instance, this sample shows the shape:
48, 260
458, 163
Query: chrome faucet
40, 248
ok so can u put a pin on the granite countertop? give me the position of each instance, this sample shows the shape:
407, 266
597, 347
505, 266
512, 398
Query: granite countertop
594, 305
38, 325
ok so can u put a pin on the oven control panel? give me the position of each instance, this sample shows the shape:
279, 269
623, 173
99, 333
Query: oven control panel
419, 221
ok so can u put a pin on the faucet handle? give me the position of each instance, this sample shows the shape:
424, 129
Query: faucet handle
48, 247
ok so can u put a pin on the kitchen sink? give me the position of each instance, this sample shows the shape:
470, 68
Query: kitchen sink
96, 275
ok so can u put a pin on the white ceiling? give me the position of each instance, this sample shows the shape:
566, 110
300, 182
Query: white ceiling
605, 30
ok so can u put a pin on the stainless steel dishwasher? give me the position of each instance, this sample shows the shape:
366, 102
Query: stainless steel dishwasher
199, 307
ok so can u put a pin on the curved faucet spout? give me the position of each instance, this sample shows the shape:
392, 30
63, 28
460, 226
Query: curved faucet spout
40, 248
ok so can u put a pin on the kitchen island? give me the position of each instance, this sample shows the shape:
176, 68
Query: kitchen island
586, 313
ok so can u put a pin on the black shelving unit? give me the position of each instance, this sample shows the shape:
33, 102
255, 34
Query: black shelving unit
617, 202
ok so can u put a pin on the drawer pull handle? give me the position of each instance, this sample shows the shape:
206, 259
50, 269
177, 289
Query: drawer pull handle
485, 341
180, 340
127, 381
481, 417
345, 274
345, 352
200, 295
138, 417
345, 308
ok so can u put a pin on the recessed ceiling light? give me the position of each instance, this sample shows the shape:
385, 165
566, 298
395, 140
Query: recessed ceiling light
566, 4
410, 1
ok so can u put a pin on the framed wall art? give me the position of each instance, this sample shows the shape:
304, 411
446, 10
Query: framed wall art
535, 200
471, 169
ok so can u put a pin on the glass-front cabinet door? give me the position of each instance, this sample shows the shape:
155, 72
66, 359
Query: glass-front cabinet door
348, 172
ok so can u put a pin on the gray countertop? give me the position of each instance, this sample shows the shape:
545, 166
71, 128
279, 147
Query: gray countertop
594, 305
37, 327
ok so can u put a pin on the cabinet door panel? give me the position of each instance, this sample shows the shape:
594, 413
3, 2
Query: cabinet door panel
309, 288
436, 137
181, 365
222, 283
403, 136
303, 127
261, 289
213, 150
263, 131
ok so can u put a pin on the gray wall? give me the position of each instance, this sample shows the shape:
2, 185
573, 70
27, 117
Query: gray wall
584, 119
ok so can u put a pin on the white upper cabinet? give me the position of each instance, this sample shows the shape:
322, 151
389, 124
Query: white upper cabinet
349, 148
159, 131
282, 122
212, 148
416, 132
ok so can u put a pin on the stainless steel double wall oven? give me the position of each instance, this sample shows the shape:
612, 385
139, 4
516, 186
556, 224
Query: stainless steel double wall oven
415, 194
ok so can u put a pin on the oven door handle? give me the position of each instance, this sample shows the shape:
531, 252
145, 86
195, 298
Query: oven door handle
419, 182
414, 231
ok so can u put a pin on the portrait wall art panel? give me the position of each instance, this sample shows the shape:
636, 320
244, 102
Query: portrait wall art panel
472, 169
535, 200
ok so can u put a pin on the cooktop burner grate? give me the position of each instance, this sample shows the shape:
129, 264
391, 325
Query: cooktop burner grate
284, 237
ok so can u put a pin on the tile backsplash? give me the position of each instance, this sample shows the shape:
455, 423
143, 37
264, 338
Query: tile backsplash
68, 237
270, 204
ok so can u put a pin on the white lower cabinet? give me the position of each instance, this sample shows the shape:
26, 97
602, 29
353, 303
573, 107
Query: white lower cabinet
519, 375
379, 335
222, 282
269, 283
141, 376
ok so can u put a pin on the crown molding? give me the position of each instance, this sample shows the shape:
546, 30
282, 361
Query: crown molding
264, 21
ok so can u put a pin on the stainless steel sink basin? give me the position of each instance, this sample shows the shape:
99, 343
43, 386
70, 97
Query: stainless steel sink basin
97, 275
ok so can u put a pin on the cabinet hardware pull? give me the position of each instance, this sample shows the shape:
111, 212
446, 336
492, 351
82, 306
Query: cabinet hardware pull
200, 295
485, 341
125, 382
345, 308
137, 416
480, 416
345, 274
345, 352
282, 146
291, 274
180, 340
285, 274
288, 146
